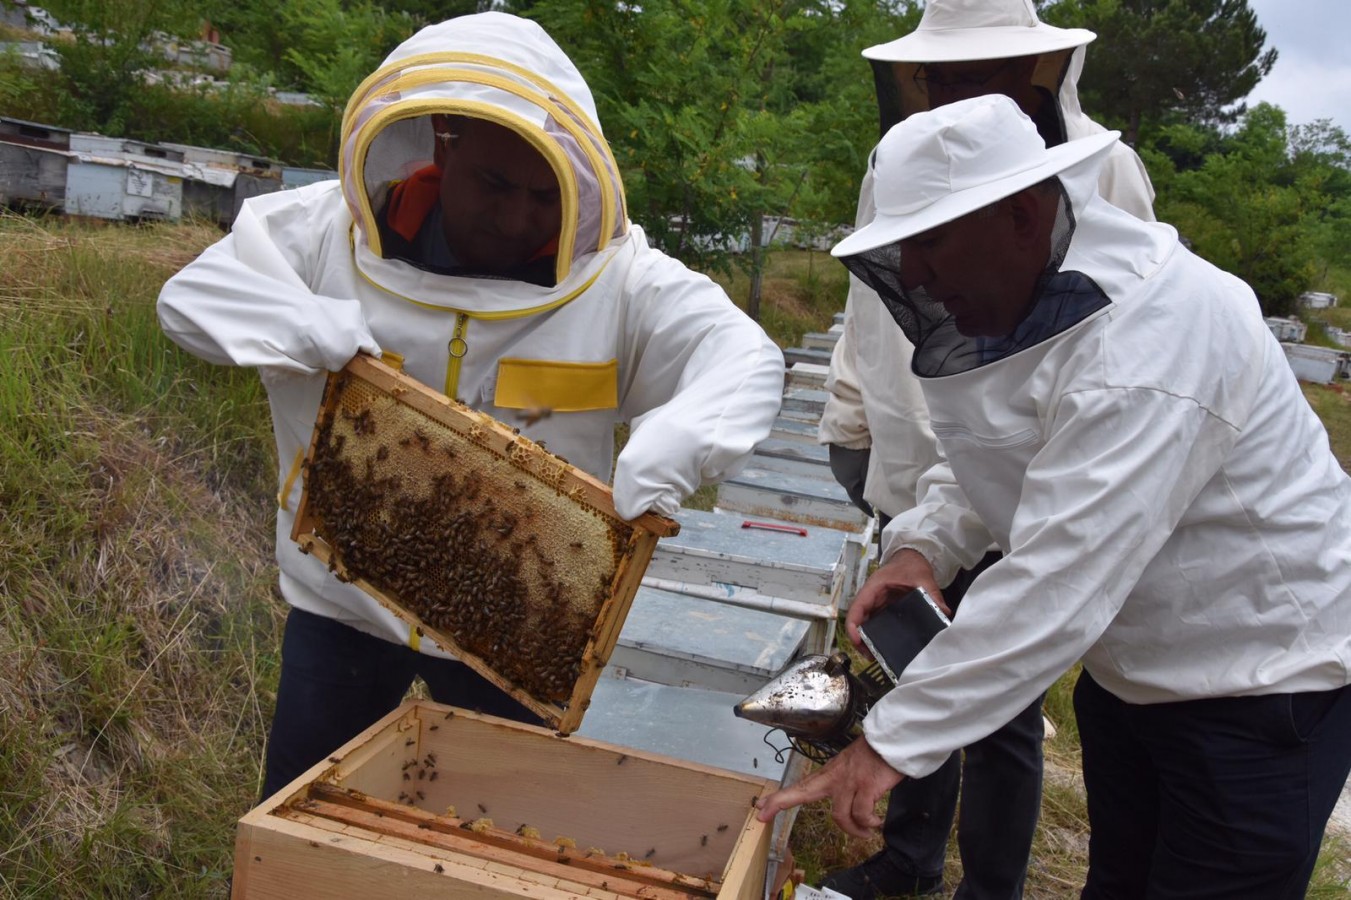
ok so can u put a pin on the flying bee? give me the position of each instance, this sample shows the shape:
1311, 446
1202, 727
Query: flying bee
534, 414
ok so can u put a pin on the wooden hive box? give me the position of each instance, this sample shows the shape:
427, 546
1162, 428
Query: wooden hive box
502, 553
434, 801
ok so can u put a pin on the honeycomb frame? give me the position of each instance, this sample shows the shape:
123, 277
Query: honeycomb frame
500, 552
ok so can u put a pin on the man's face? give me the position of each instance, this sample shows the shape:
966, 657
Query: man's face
972, 266
952, 81
499, 196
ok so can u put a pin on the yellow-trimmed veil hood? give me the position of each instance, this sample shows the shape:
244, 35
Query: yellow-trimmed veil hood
490, 66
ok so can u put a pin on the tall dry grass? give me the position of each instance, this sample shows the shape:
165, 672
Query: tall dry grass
138, 631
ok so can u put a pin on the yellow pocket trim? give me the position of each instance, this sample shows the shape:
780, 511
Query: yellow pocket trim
556, 385
290, 481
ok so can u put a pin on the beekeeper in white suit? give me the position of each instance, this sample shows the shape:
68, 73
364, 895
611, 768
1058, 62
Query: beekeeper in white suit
877, 428
1117, 418
478, 236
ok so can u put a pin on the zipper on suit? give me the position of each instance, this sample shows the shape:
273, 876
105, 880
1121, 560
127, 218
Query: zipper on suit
457, 347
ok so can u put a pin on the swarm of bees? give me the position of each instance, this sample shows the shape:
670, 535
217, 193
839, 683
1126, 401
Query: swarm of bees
492, 555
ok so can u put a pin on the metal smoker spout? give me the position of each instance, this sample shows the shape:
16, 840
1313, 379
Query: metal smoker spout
817, 702
812, 697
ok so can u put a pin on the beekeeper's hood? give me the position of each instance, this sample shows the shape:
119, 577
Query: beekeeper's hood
947, 163
967, 30
490, 66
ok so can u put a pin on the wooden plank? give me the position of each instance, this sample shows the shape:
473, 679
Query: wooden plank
499, 845
289, 860
609, 623
748, 865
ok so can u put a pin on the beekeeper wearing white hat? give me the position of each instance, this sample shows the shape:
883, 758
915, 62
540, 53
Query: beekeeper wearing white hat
880, 440
1117, 419
477, 235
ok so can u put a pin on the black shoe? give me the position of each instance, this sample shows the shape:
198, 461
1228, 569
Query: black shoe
877, 877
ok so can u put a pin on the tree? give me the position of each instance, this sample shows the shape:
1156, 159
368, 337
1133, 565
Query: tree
722, 111
1321, 162
1249, 209
1162, 60
102, 67
334, 45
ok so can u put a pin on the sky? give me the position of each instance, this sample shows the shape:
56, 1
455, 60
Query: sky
1312, 76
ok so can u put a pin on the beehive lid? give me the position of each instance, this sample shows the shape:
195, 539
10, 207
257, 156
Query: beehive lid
500, 552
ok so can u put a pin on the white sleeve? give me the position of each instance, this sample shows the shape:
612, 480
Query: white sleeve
942, 527
246, 300
1124, 183
702, 388
844, 420
1119, 469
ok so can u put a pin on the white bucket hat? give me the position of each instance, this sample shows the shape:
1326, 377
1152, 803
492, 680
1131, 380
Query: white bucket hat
941, 164
960, 30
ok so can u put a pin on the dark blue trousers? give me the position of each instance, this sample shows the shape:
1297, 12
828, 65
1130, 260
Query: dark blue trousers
999, 779
337, 681
1217, 798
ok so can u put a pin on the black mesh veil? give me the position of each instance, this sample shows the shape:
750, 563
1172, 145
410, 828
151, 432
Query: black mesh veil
1063, 299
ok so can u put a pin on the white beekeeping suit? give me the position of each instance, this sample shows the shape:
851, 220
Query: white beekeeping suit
611, 330
874, 401
1122, 444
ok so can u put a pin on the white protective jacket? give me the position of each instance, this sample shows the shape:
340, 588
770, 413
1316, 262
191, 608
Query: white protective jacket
1169, 508
874, 400
627, 334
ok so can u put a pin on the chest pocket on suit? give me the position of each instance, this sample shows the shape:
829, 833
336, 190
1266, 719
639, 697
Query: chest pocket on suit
557, 385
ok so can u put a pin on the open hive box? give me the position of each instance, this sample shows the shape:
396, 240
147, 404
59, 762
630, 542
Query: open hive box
436, 801
499, 551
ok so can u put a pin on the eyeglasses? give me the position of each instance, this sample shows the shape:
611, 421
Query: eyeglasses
927, 77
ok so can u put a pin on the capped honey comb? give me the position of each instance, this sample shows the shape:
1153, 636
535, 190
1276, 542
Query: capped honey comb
502, 553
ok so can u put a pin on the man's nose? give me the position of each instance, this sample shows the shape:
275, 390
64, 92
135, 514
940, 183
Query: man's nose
514, 214
914, 267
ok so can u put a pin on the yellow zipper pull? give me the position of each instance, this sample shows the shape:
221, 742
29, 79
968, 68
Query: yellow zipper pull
457, 348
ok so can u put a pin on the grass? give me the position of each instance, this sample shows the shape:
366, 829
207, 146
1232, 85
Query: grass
139, 622
138, 629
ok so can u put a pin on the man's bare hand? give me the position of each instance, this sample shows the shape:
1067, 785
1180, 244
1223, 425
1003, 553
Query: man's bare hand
854, 781
904, 571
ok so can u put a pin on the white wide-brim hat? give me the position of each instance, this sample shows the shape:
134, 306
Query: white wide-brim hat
941, 164
962, 30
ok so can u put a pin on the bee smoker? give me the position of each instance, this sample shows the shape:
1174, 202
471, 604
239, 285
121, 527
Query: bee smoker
818, 702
